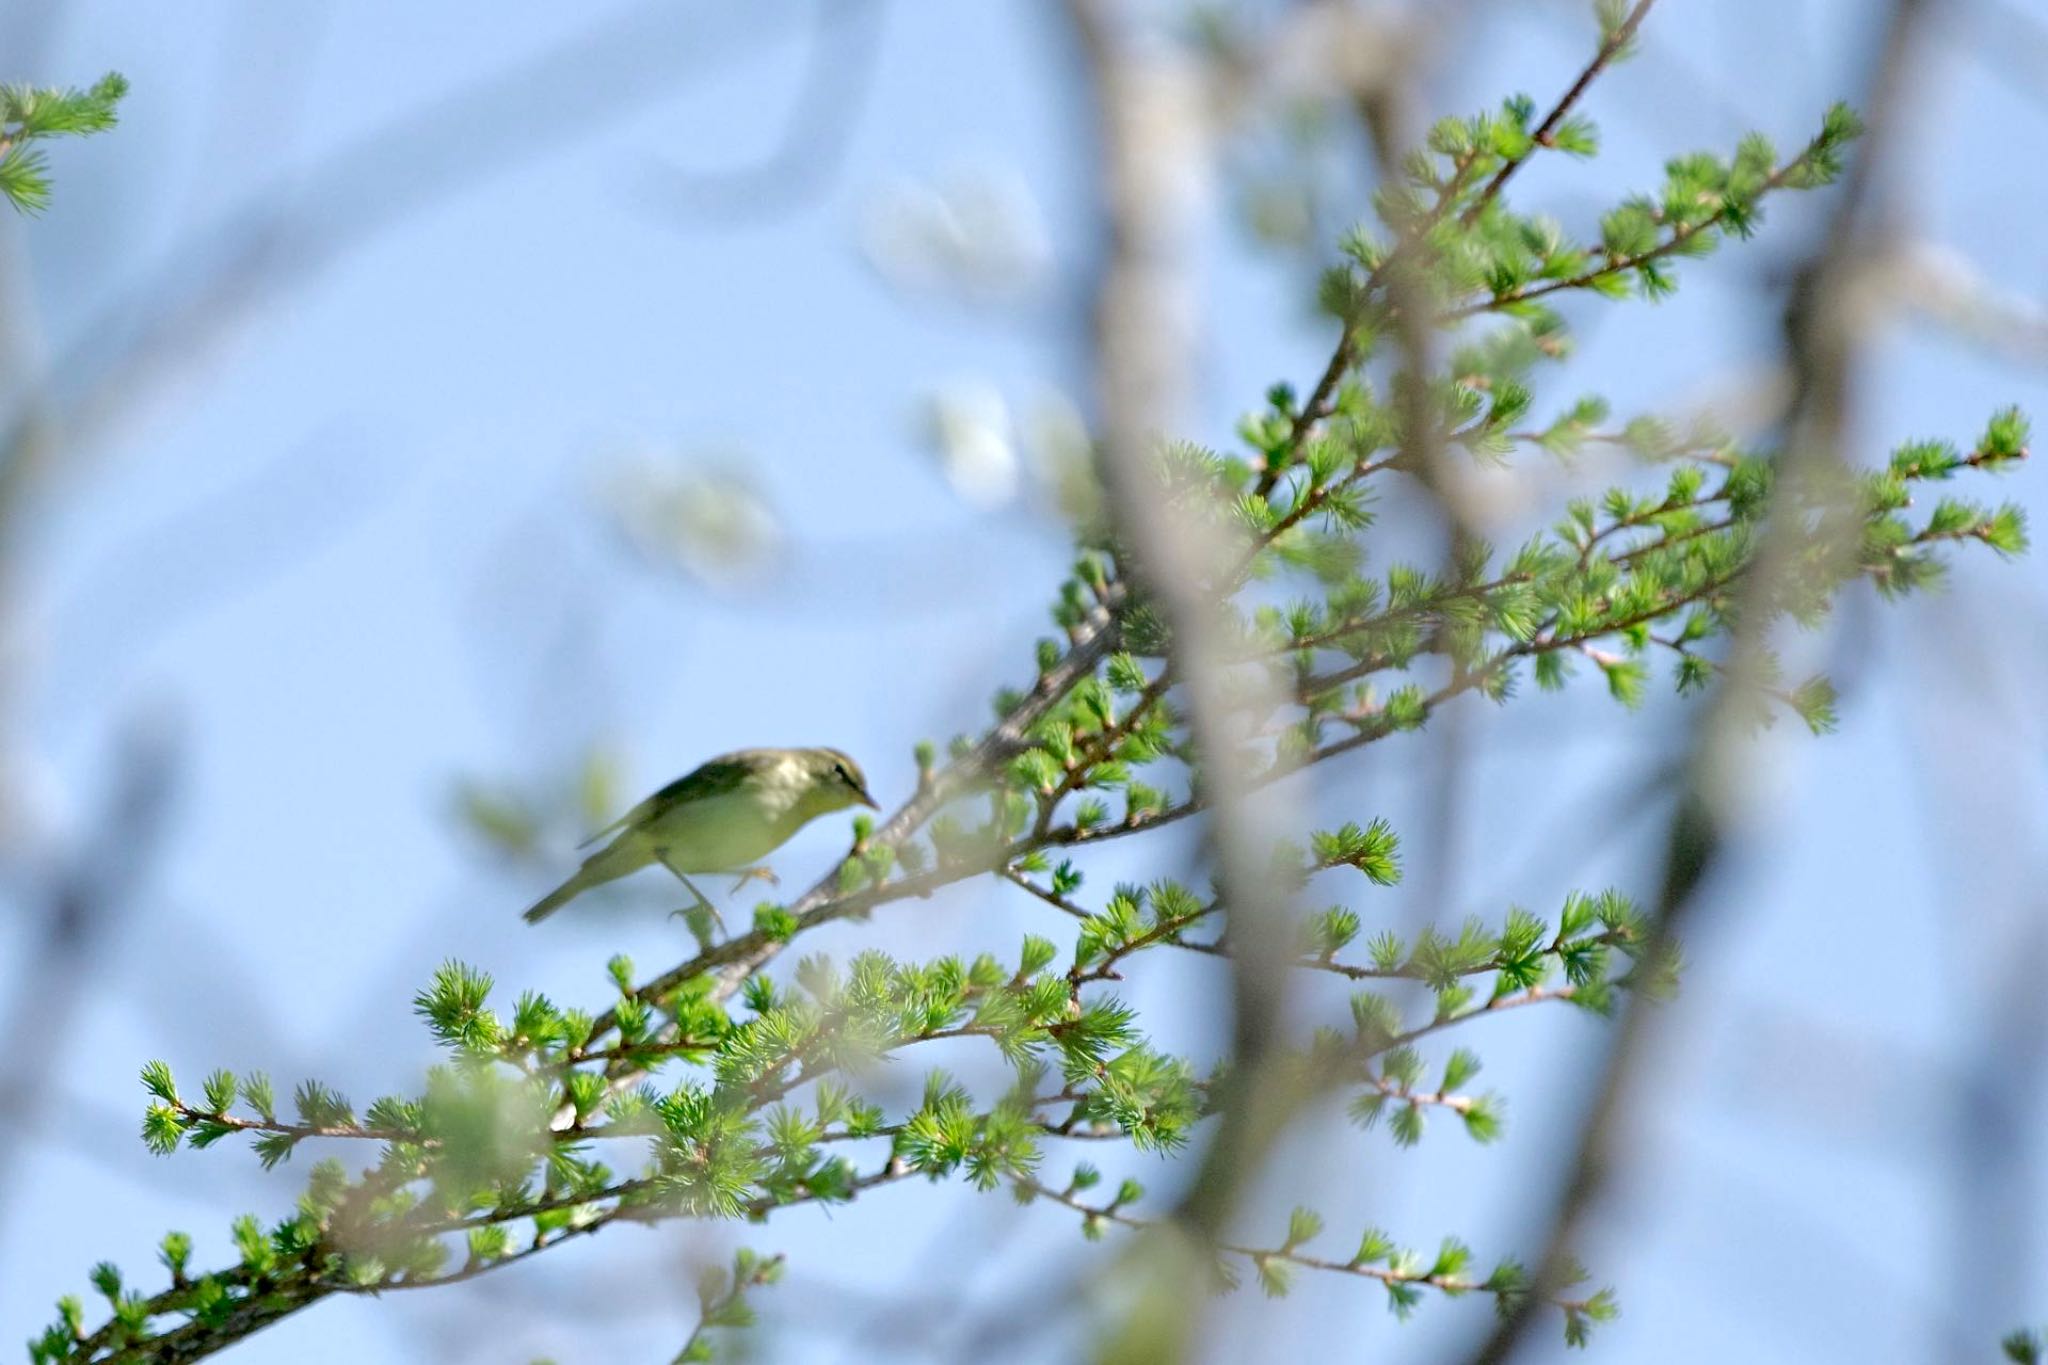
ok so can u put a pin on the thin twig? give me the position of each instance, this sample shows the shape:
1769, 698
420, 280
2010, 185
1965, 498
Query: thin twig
1545, 131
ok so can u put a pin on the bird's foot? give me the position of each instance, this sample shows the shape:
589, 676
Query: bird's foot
753, 874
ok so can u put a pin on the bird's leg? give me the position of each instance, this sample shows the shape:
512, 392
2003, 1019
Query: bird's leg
753, 874
702, 899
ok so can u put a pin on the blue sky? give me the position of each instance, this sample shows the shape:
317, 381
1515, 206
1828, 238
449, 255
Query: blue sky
353, 548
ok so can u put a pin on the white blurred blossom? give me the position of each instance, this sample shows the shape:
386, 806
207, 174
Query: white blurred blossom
711, 522
968, 425
1061, 454
975, 233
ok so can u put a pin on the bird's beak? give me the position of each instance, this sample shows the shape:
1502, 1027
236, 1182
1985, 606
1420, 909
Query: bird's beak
867, 801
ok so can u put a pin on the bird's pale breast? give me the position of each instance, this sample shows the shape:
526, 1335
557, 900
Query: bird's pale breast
730, 830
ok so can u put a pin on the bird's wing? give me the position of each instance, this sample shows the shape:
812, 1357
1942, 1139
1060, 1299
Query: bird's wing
714, 778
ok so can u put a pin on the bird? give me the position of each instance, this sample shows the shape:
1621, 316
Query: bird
721, 816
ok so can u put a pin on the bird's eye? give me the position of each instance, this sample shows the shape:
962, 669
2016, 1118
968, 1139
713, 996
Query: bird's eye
845, 776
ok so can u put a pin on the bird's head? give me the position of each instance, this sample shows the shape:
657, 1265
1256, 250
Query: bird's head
836, 781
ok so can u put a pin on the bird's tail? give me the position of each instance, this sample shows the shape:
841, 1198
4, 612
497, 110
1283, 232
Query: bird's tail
607, 864
557, 898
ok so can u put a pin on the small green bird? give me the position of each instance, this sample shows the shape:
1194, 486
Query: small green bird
722, 816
